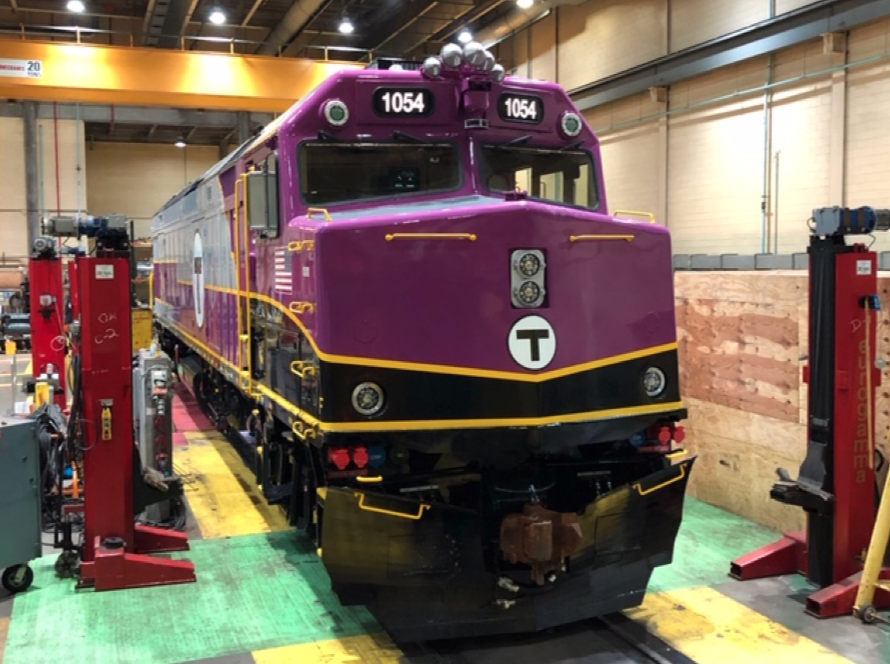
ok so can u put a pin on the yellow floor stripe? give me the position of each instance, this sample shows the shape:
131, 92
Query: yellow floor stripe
4, 631
221, 491
712, 628
368, 649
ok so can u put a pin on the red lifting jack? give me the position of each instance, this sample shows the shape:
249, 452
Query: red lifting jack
836, 484
114, 546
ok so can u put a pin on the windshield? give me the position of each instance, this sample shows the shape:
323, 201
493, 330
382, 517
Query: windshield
339, 172
553, 175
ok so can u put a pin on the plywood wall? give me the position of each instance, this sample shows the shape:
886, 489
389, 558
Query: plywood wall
137, 179
742, 335
695, 21
13, 229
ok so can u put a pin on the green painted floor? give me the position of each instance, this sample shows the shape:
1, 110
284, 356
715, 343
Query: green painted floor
269, 590
253, 592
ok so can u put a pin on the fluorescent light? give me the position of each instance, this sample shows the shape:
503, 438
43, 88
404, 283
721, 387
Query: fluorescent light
465, 36
180, 143
75, 6
525, 4
217, 17
346, 26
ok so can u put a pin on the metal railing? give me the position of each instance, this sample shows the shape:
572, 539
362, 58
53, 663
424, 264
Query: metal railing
81, 35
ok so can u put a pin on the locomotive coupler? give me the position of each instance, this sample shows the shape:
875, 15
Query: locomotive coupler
540, 538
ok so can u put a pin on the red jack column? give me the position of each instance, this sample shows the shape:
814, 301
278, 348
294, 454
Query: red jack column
112, 541
48, 318
836, 485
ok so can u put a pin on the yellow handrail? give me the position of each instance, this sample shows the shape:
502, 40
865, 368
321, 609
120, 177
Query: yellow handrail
635, 213
302, 432
327, 215
246, 293
653, 489
301, 307
580, 238
302, 369
299, 245
412, 517
369, 479
430, 236
239, 183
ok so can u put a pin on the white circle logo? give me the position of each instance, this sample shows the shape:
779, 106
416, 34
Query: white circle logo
532, 342
198, 280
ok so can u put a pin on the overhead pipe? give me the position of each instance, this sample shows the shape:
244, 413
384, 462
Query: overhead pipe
518, 19
293, 21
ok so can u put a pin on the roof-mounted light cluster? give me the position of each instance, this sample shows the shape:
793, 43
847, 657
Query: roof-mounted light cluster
471, 59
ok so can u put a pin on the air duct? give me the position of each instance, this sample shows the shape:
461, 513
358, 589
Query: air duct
517, 19
293, 21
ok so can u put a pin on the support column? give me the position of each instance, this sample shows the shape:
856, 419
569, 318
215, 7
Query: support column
836, 44
243, 126
32, 176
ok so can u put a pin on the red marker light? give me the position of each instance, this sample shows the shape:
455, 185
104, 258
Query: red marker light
339, 456
664, 435
679, 435
360, 456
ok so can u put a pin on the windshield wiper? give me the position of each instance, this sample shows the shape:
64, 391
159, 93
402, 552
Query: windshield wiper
402, 136
515, 143
325, 136
571, 146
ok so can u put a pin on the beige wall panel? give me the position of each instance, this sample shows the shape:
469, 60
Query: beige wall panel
137, 179
868, 141
63, 187
13, 222
783, 6
696, 21
518, 46
597, 39
715, 163
543, 49
801, 124
630, 151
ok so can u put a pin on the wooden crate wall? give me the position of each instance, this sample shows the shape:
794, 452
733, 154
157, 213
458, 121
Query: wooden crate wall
742, 335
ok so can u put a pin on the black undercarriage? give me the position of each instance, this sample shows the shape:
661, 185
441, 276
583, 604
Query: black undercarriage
469, 532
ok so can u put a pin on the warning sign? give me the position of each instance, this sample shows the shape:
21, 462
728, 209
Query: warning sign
21, 68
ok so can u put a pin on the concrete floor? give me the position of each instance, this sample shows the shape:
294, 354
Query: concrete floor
262, 597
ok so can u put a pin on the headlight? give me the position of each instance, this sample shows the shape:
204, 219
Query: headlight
336, 112
528, 278
367, 398
654, 381
528, 265
529, 293
570, 124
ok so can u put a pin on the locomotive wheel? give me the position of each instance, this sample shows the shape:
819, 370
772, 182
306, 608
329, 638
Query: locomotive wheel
18, 578
67, 564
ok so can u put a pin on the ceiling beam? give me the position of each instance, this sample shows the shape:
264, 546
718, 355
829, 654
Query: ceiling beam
786, 30
145, 76
405, 25
138, 115
191, 132
256, 5
151, 131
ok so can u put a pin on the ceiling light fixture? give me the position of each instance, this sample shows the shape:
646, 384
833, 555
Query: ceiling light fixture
180, 143
75, 6
465, 37
346, 26
217, 17
524, 4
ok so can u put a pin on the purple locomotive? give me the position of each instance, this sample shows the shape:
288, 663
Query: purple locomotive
458, 372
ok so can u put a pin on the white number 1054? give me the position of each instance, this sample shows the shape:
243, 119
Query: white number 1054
403, 102
526, 109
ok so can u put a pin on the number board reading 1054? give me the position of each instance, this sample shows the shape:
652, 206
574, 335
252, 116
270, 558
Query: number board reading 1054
403, 102
521, 108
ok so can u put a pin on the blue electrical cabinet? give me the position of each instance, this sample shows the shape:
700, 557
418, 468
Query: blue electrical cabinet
20, 526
